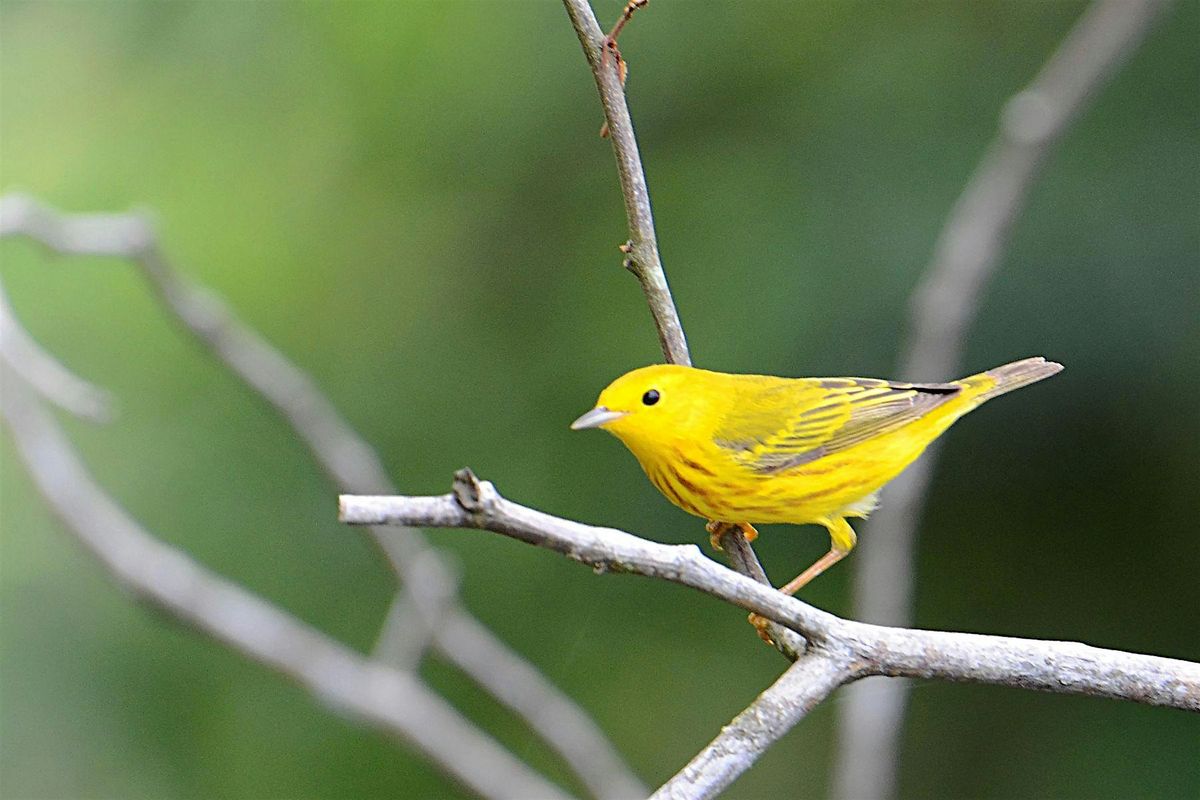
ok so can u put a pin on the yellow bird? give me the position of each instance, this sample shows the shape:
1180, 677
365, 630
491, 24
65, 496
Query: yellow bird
740, 449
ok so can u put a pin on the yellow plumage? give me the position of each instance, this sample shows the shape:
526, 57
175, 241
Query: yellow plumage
741, 449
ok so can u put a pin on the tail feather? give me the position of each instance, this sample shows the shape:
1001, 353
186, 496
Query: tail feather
1013, 376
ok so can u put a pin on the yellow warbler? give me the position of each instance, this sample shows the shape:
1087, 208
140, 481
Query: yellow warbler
739, 449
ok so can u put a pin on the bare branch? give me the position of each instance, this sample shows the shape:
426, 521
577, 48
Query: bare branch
943, 308
772, 714
479, 505
839, 651
1032, 122
642, 250
1060, 667
394, 702
742, 558
353, 466
45, 374
1046, 666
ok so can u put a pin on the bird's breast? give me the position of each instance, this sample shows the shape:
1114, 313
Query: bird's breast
715, 486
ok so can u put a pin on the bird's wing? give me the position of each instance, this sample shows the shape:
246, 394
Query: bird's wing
775, 427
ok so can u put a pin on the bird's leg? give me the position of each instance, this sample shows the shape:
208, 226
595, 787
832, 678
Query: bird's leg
843, 540
718, 529
823, 563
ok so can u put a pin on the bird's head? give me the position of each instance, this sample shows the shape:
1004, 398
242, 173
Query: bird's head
648, 406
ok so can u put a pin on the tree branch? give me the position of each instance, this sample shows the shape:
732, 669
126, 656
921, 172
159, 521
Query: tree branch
1059, 667
642, 250
427, 585
772, 714
393, 702
839, 651
943, 308
476, 504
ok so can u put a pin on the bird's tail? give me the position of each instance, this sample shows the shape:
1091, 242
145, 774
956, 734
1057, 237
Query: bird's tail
1002, 380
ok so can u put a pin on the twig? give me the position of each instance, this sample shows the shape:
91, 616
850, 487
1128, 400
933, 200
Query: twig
1061, 667
610, 42
384, 698
353, 466
943, 308
642, 249
741, 557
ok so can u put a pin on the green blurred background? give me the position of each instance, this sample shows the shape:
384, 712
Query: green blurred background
411, 200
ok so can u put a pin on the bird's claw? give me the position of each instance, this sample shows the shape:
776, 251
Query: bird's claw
748, 531
761, 624
716, 530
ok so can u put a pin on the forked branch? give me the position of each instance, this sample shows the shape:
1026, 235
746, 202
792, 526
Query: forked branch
840, 651
1059, 667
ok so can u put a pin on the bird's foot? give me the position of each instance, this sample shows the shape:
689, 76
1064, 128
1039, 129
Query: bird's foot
715, 531
761, 624
749, 530
718, 529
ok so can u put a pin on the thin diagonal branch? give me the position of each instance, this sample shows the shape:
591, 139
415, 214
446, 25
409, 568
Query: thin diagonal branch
1060, 667
394, 702
772, 714
943, 308
353, 466
642, 250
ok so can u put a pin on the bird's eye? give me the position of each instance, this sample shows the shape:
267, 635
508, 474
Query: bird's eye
650, 397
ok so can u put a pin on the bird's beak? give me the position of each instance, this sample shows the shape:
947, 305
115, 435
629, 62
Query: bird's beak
597, 417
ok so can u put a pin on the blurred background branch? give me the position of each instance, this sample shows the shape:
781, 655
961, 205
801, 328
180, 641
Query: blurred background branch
395, 702
428, 592
942, 308
44, 374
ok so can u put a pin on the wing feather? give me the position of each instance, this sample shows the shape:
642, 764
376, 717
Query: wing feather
787, 423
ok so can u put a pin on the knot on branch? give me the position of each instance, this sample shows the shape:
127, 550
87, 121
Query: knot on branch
628, 262
468, 491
